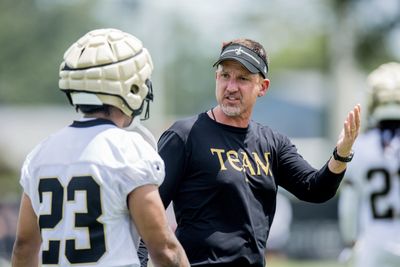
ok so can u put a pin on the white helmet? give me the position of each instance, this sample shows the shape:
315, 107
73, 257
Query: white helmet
384, 93
108, 66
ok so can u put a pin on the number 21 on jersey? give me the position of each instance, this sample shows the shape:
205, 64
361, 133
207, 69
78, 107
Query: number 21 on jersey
382, 201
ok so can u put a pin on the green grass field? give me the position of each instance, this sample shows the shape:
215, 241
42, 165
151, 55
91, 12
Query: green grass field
298, 263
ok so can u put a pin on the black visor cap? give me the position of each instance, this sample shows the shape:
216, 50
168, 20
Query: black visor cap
245, 56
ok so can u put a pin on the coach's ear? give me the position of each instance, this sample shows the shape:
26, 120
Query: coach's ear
264, 85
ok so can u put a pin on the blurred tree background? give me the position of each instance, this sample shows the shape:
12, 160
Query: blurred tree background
33, 37
319, 53
34, 34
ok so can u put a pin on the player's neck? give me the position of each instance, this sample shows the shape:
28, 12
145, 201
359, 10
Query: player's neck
115, 115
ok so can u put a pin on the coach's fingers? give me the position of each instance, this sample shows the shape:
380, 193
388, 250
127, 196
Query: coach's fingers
357, 113
351, 129
352, 123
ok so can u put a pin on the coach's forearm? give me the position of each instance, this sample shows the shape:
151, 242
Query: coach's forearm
336, 166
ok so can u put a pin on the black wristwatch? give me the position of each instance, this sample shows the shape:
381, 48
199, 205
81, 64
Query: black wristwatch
342, 159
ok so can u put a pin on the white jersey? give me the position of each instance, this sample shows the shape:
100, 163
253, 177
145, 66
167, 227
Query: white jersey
78, 181
369, 204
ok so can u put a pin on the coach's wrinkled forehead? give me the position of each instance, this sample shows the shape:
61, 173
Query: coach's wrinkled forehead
247, 57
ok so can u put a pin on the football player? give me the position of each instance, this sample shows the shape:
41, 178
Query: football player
369, 204
91, 189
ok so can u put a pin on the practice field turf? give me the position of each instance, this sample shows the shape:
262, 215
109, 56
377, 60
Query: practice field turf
298, 263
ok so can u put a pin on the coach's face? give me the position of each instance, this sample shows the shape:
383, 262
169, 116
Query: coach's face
237, 89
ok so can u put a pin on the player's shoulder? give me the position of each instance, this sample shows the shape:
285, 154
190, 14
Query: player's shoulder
42, 145
118, 133
365, 148
368, 139
121, 138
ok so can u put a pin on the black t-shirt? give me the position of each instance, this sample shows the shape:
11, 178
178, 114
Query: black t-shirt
223, 182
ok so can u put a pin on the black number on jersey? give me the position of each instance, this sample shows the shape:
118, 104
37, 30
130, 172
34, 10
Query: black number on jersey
389, 211
49, 221
88, 220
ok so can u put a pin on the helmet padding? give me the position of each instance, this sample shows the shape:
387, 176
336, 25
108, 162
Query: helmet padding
107, 66
384, 93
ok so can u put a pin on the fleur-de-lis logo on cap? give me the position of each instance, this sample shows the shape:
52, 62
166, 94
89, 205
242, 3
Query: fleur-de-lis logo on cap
238, 51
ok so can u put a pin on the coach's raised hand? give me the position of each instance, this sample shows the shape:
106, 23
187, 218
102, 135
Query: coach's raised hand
342, 152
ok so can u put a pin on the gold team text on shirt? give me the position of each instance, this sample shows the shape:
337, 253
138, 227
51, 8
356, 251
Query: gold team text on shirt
240, 161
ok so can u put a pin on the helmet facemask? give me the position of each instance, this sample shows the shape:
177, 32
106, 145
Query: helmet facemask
146, 102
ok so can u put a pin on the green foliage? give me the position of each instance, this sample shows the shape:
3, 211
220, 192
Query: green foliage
370, 49
189, 77
295, 263
192, 88
310, 53
34, 35
33, 38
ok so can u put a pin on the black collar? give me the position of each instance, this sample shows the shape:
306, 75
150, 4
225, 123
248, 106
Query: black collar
91, 123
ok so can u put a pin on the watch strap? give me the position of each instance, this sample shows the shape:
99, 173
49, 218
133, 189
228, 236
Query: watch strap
342, 159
